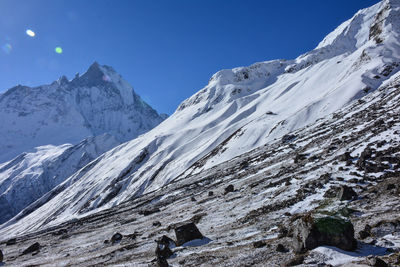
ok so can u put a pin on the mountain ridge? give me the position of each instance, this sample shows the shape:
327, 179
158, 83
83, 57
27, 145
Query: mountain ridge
96, 102
239, 110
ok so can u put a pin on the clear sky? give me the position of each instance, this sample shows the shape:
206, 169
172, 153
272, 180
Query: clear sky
167, 50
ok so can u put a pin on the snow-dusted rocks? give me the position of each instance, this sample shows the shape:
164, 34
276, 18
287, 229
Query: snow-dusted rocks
244, 226
239, 110
97, 102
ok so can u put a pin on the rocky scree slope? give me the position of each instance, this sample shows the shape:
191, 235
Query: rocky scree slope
247, 207
97, 102
239, 110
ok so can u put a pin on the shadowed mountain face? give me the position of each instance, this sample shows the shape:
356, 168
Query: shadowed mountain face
97, 102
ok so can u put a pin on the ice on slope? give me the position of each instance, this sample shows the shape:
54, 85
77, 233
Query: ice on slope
238, 110
97, 102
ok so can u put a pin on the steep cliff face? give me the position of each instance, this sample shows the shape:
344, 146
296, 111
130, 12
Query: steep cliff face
97, 102
239, 110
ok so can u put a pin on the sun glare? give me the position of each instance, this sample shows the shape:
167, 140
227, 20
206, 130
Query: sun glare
30, 33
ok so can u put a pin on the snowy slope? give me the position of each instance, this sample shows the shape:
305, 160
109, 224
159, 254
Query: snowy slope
31, 175
240, 109
97, 102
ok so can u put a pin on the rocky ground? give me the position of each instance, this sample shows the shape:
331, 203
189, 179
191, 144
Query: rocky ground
300, 200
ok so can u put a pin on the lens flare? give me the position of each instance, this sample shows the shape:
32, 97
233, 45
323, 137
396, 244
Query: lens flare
58, 50
30, 33
7, 48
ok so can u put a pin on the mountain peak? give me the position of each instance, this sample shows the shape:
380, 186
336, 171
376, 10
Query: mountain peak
63, 80
96, 75
97, 102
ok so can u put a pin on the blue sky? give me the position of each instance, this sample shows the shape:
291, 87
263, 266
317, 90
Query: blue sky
167, 50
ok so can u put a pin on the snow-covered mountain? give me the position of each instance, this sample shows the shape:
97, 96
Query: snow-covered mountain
97, 102
31, 175
239, 110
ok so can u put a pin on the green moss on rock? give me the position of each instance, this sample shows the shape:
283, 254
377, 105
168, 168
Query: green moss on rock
332, 226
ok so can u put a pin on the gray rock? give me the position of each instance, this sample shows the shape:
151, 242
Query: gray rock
309, 233
11, 241
347, 193
156, 223
259, 244
288, 138
229, 188
32, 248
377, 262
187, 232
163, 250
281, 248
345, 157
117, 237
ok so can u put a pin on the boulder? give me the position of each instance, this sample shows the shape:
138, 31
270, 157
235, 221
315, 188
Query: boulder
167, 241
281, 248
147, 212
390, 187
11, 241
1, 256
347, 193
259, 244
187, 232
377, 262
345, 157
162, 262
32, 248
156, 223
288, 138
117, 237
229, 188
309, 233
163, 250
365, 233
299, 157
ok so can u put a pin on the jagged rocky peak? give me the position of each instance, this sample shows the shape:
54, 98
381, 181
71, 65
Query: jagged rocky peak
63, 80
96, 102
96, 75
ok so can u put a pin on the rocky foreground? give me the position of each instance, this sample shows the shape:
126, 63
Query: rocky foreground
325, 195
